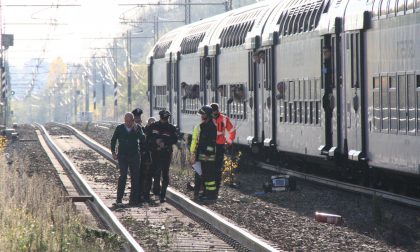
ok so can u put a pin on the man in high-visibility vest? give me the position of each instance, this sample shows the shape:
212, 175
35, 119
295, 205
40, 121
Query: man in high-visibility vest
223, 124
203, 147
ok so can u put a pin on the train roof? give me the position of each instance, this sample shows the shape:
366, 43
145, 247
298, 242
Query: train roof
262, 23
234, 28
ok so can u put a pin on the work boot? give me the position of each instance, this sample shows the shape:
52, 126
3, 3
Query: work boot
162, 199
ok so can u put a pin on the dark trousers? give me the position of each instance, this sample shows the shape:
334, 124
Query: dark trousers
144, 167
161, 160
198, 183
220, 155
126, 162
209, 178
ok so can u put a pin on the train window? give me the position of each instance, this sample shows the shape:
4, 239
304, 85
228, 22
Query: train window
286, 91
223, 95
418, 101
307, 89
393, 113
237, 101
318, 112
375, 8
297, 90
281, 110
391, 7
418, 111
299, 22
401, 7
384, 103
418, 81
392, 82
295, 110
300, 112
285, 104
290, 112
376, 104
292, 90
307, 112
311, 112
317, 89
411, 104
302, 90
410, 6
402, 104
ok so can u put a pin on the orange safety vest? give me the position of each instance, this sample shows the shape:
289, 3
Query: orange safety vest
223, 124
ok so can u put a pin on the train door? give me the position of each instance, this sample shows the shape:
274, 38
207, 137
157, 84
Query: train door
175, 97
208, 77
169, 84
253, 99
265, 95
332, 94
354, 108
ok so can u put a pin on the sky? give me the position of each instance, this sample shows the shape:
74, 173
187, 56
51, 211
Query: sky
70, 32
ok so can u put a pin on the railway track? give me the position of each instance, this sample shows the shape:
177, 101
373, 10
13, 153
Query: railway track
408, 201
201, 229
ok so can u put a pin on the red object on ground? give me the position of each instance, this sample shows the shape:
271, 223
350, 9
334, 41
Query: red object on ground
328, 218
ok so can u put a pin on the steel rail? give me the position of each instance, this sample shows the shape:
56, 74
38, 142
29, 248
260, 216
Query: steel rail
101, 210
412, 202
217, 221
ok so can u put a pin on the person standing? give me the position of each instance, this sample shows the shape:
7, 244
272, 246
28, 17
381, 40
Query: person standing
223, 124
129, 136
144, 155
203, 149
161, 135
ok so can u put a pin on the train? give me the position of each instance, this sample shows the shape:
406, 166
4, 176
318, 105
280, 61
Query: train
330, 80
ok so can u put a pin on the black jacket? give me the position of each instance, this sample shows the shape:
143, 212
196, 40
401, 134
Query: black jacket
207, 140
128, 142
165, 132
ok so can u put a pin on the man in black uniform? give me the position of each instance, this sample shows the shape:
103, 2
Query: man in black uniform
161, 136
145, 158
129, 136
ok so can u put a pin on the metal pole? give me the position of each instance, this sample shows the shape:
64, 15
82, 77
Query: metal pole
103, 96
115, 82
87, 93
129, 69
94, 86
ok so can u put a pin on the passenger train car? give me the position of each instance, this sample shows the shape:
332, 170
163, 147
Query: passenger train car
330, 79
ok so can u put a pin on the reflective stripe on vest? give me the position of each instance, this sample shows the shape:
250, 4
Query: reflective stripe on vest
210, 185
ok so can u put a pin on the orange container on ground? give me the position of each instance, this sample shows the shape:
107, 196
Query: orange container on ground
328, 218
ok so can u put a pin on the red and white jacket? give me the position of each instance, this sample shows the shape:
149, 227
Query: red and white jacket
223, 124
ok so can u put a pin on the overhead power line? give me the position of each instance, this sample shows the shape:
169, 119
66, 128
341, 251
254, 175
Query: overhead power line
41, 5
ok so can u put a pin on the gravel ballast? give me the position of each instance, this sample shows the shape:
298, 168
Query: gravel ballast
286, 219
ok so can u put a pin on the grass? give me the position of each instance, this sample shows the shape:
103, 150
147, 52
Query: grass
34, 216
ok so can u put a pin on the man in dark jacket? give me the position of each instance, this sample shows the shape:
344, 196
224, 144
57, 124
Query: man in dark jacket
205, 152
145, 157
161, 136
129, 136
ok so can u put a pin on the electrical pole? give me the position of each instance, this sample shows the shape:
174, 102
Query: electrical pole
115, 81
187, 11
85, 76
129, 69
103, 95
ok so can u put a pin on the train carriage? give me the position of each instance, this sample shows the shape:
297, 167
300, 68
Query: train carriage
335, 80
235, 91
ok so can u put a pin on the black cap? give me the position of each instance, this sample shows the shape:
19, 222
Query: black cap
164, 114
137, 112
